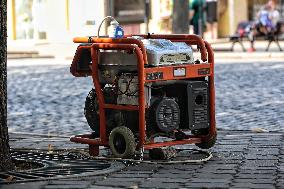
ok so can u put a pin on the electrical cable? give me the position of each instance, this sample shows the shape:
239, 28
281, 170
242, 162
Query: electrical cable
106, 18
130, 161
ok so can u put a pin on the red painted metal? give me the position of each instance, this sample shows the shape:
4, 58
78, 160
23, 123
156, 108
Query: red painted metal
113, 41
99, 92
121, 107
94, 48
138, 48
172, 143
94, 150
191, 71
76, 58
84, 136
87, 140
212, 131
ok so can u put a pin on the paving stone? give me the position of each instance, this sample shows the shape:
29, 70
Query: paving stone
158, 175
116, 184
176, 171
69, 182
205, 175
254, 180
27, 185
207, 185
256, 186
32, 87
219, 167
280, 175
142, 167
280, 184
261, 163
254, 159
167, 180
102, 187
260, 157
66, 186
259, 151
123, 179
139, 172
254, 171
214, 173
209, 171
210, 180
122, 175
254, 176
179, 167
159, 184
258, 168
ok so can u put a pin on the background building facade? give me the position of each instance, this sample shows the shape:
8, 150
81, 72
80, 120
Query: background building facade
52, 19
58, 21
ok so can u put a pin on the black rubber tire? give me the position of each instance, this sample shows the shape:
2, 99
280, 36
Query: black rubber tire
91, 111
122, 142
207, 144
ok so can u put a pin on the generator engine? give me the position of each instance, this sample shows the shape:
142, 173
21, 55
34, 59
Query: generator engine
172, 105
164, 115
146, 87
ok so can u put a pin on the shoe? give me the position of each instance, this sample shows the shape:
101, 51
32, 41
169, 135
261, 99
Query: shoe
251, 50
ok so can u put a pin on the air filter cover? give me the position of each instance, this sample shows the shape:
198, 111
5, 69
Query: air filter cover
167, 114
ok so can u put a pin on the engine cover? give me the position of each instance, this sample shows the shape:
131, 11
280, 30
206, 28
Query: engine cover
161, 52
165, 114
193, 100
198, 105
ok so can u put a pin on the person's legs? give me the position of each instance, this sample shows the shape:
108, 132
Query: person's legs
214, 30
210, 31
255, 30
263, 30
251, 37
195, 29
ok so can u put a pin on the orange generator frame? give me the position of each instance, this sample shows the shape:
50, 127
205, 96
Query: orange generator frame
127, 43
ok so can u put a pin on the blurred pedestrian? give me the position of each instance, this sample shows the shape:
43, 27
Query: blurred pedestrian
266, 22
197, 15
211, 17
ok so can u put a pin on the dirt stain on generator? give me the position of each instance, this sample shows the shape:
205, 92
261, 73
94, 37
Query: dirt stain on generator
146, 86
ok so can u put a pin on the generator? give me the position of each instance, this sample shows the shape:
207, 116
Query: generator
145, 87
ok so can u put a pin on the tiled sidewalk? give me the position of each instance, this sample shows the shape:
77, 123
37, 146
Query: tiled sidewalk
241, 159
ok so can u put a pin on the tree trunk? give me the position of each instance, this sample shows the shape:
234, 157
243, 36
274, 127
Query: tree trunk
180, 17
5, 159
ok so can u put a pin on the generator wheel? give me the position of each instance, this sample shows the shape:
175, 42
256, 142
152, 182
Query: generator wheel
91, 111
207, 144
122, 142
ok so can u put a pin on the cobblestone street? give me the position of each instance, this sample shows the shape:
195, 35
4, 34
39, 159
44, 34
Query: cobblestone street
240, 160
250, 95
189, 94
48, 99
44, 98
